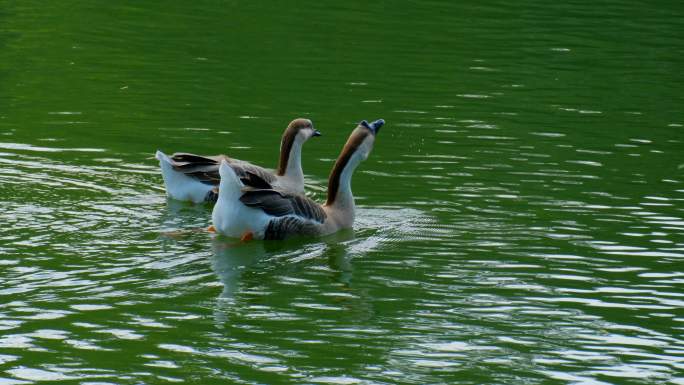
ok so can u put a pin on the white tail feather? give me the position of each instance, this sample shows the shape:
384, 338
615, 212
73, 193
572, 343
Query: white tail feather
231, 185
230, 216
178, 185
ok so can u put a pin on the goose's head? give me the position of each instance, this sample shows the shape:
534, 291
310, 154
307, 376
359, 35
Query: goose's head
361, 140
300, 130
297, 132
358, 147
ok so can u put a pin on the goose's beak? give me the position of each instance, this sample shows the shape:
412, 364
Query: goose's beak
373, 127
316, 133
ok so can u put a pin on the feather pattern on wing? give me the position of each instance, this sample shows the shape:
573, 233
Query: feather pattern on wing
184, 157
280, 204
212, 195
206, 169
253, 180
285, 227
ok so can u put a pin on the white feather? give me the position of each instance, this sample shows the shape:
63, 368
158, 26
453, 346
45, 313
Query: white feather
180, 186
230, 216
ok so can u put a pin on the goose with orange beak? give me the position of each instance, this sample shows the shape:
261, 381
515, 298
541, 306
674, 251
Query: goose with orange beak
195, 178
249, 209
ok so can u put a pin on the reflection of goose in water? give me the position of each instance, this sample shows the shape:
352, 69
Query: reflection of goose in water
181, 219
242, 267
246, 268
231, 258
377, 229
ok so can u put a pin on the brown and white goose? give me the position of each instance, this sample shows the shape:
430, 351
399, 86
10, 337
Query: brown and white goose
247, 209
190, 177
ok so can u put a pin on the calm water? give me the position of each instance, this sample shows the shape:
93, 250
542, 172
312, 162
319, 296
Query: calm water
521, 218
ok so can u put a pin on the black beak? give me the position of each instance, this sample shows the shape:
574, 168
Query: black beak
316, 133
373, 127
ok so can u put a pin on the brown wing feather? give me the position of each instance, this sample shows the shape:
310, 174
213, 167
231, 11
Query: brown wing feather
243, 168
253, 180
270, 201
285, 227
207, 175
184, 157
206, 169
280, 204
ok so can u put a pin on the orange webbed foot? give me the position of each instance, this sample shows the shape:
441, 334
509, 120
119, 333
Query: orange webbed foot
211, 229
247, 236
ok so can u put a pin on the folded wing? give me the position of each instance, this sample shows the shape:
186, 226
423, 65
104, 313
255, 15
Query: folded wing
206, 169
279, 204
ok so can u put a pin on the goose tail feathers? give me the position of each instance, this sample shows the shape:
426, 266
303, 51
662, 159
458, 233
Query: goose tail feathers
231, 185
178, 185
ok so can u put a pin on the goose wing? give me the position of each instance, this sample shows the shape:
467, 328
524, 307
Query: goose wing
206, 169
252, 180
280, 204
284, 227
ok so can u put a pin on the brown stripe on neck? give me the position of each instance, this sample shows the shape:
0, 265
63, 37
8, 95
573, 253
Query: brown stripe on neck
287, 141
353, 143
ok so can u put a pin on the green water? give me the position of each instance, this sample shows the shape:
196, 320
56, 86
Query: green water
521, 218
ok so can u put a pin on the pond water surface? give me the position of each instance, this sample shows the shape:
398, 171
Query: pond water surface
521, 218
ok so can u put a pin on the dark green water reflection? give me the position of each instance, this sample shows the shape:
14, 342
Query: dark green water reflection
521, 217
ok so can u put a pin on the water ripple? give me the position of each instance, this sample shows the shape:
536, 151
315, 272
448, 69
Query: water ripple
519, 221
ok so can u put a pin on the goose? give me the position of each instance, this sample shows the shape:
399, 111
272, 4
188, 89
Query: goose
195, 178
250, 209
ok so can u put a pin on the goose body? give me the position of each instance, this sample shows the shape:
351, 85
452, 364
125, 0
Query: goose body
249, 208
195, 178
